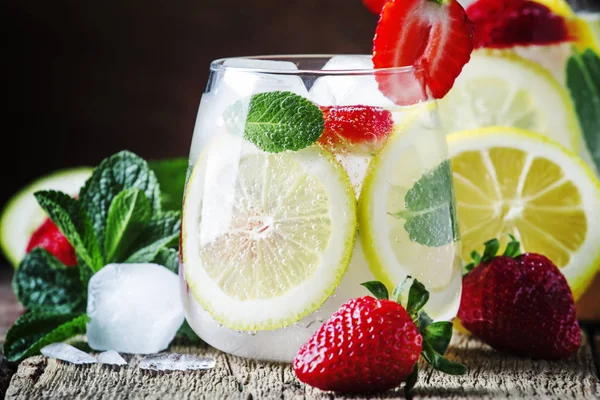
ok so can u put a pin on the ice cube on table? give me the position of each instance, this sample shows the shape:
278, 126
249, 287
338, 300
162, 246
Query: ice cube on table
66, 352
133, 308
176, 362
348, 90
111, 357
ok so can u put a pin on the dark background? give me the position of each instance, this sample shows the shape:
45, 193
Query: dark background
89, 78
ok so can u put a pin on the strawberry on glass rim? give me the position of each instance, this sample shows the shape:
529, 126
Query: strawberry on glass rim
435, 37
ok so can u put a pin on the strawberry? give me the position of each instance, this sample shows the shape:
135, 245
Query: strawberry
374, 6
361, 128
520, 304
373, 344
500, 24
49, 237
435, 37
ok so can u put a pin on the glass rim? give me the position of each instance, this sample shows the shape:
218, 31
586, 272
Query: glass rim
218, 65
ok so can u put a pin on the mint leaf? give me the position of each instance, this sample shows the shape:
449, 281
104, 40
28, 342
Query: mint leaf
127, 216
168, 258
583, 81
438, 334
43, 283
377, 288
85, 273
188, 333
34, 330
73, 222
121, 171
161, 225
430, 208
279, 121
171, 175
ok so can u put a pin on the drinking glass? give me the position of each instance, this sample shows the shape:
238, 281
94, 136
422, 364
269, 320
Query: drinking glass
306, 179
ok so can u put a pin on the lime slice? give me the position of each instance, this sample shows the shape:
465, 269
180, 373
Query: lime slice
393, 247
266, 237
513, 181
495, 90
22, 214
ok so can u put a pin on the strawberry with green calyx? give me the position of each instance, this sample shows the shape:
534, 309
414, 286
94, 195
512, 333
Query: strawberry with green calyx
373, 344
519, 303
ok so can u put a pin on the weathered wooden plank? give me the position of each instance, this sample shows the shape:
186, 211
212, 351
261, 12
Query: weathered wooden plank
491, 375
597, 347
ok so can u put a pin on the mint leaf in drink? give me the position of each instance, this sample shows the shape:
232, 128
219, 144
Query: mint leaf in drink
43, 283
162, 231
127, 216
583, 81
171, 175
124, 170
168, 258
73, 222
430, 208
279, 121
34, 330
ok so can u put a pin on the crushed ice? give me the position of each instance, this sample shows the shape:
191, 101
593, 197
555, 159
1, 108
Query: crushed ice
176, 362
66, 352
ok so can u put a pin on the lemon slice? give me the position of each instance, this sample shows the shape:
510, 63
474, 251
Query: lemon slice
267, 237
513, 181
393, 241
509, 91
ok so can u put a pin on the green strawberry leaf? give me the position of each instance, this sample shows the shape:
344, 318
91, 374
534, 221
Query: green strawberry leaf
513, 248
411, 381
424, 321
43, 283
417, 298
430, 213
34, 330
74, 223
121, 171
583, 82
127, 216
377, 288
279, 121
491, 249
438, 335
449, 367
171, 175
168, 258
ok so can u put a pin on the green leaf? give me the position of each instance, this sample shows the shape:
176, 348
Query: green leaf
450, 367
491, 249
127, 216
188, 333
85, 273
399, 289
161, 231
417, 298
279, 121
171, 175
513, 248
377, 288
411, 381
34, 330
430, 208
168, 258
121, 171
73, 222
424, 321
43, 283
438, 335
583, 81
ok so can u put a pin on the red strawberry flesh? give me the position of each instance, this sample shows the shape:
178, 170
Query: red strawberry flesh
49, 237
502, 24
435, 37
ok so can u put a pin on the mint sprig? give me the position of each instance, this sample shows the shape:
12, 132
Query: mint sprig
279, 121
171, 175
430, 215
117, 217
436, 335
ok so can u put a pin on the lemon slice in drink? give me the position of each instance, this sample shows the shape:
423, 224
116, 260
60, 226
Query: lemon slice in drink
497, 90
513, 181
406, 192
267, 237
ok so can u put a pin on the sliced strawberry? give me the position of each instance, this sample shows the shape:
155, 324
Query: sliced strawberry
501, 24
49, 237
356, 128
433, 36
374, 6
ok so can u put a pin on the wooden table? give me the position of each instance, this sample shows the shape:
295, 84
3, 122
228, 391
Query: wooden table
491, 375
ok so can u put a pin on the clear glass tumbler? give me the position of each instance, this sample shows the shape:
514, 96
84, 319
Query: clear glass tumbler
306, 180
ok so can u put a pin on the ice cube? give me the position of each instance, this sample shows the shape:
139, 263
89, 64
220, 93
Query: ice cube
133, 308
66, 352
347, 90
110, 357
176, 362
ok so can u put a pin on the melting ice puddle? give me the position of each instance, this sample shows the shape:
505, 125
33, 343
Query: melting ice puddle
176, 362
